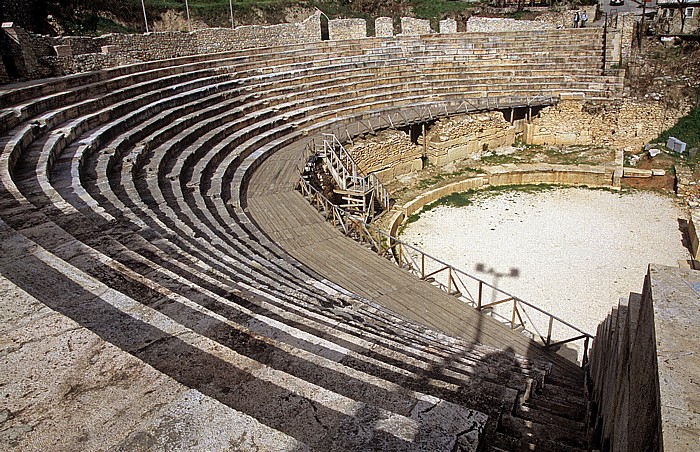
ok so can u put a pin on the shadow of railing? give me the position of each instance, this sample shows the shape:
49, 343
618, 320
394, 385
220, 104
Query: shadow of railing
550, 331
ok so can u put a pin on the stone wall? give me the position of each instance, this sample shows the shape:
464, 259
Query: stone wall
388, 154
622, 123
626, 26
565, 18
490, 25
339, 29
384, 27
415, 27
448, 26
28, 50
547, 173
644, 368
468, 136
37, 56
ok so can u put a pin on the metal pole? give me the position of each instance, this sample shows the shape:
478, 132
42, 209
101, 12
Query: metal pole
230, 6
145, 19
187, 8
481, 285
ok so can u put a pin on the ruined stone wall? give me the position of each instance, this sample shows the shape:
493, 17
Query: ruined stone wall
383, 27
621, 123
626, 26
565, 18
468, 136
388, 154
448, 26
28, 49
490, 25
79, 44
415, 27
339, 29
37, 54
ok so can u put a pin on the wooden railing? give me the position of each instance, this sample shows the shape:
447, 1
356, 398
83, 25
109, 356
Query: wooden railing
345, 172
519, 315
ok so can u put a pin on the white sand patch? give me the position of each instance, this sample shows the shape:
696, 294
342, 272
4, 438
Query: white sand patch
573, 252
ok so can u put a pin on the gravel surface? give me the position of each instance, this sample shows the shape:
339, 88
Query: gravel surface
573, 252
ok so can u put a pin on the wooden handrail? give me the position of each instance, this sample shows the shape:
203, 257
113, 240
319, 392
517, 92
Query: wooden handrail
404, 259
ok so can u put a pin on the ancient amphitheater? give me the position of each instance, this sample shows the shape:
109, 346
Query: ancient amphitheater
148, 219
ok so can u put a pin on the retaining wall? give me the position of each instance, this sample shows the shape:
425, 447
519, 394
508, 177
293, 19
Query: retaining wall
644, 369
618, 123
468, 137
389, 154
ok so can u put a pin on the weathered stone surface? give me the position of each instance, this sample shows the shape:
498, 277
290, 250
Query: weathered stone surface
339, 29
636, 172
676, 295
448, 26
388, 154
415, 27
621, 123
489, 24
384, 27
468, 137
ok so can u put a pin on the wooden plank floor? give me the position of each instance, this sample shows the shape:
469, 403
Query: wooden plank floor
289, 220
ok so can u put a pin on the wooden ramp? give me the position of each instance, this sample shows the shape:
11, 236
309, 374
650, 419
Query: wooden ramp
290, 221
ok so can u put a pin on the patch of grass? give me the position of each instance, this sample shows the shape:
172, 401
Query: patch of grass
434, 180
686, 129
496, 159
466, 198
566, 157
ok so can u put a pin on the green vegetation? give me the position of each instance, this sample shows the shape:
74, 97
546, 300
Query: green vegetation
686, 129
436, 179
499, 159
428, 9
88, 16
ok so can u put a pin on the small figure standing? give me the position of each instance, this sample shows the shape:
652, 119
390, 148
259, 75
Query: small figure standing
576, 17
584, 19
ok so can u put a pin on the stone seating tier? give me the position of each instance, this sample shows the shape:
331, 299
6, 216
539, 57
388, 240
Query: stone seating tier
135, 179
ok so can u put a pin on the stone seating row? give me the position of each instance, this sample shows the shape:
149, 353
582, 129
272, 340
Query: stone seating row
129, 249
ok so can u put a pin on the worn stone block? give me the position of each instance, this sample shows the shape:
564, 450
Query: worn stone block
384, 27
415, 27
448, 26
340, 29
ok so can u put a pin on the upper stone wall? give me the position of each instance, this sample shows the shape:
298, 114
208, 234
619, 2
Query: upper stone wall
340, 29
38, 57
383, 27
490, 24
415, 27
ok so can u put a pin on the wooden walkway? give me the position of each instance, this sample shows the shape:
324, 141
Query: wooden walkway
290, 221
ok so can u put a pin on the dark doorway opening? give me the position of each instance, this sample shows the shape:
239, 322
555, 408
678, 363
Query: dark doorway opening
325, 34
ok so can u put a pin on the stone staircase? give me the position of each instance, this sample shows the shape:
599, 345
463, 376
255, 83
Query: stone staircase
121, 211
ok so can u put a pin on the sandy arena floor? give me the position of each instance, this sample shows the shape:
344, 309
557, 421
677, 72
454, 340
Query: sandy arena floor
573, 252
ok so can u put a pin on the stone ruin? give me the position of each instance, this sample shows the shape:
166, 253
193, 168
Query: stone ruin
164, 286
